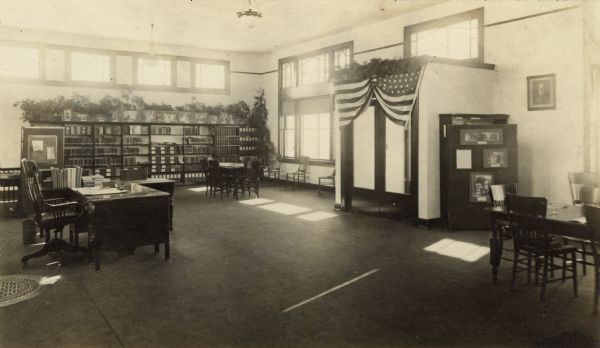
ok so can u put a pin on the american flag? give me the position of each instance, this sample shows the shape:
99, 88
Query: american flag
395, 93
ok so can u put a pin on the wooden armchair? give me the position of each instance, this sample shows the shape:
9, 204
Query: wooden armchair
300, 174
52, 213
328, 181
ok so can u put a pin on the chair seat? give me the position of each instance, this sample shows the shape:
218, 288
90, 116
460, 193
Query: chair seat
49, 222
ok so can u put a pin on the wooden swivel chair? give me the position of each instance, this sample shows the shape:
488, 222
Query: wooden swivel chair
300, 174
328, 181
532, 242
51, 214
592, 217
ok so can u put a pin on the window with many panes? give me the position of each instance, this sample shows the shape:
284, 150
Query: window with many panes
154, 71
306, 124
210, 75
456, 37
91, 67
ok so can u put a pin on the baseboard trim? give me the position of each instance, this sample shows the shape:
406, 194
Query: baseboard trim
427, 224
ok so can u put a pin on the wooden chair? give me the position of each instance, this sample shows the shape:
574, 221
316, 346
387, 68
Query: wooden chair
328, 181
533, 243
273, 170
579, 180
300, 174
217, 181
134, 173
251, 181
498, 199
205, 173
51, 214
592, 217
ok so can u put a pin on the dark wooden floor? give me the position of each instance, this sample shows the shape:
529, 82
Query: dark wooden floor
236, 268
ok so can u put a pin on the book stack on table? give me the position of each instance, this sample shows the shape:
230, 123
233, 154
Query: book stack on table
93, 180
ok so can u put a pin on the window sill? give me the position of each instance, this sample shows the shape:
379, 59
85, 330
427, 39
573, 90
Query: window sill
320, 163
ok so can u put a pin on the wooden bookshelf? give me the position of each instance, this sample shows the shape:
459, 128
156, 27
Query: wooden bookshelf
171, 151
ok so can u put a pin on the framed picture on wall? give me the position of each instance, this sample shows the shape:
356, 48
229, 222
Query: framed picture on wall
541, 92
495, 158
480, 187
481, 136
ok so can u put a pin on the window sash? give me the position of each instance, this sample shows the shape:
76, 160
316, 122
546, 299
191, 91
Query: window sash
92, 67
19, 62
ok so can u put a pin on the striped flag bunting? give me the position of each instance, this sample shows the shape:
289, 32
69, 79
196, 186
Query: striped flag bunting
395, 93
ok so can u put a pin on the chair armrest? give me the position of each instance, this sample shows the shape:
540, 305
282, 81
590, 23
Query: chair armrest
60, 209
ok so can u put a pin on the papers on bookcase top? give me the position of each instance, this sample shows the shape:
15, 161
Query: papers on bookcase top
580, 219
94, 191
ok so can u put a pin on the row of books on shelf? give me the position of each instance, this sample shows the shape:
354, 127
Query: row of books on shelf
144, 116
196, 159
78, 151
165, 168
247, 148
167, 160
167, 176
107, 130
78, 130
83, 162
194, 175
207, 139
197, 130
198, 150
227, 151
108, 172
81, 140
103, 140
219, 141
248, 138
107, 161
226, 131
131, 161
111, 151
135, 130
165, 150
247, 131
135, 141
165, 130
68, 177
141, 151
93, 180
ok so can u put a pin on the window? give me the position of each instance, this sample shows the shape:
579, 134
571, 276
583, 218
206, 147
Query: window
457, 37
154, 71
210, 75
314, 69
19, 62
288, 75
307, 122
90, 67
287, 132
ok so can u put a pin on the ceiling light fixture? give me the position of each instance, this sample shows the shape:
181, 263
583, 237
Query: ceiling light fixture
249, 18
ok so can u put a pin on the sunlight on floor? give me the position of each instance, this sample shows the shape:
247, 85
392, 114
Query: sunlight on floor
317, 216
197, 189
49, 280
461, 250
256, 201
284, 208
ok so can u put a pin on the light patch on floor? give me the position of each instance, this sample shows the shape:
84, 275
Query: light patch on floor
284, 208
49, 280
256, 201
197, 189
461, 250
317, 216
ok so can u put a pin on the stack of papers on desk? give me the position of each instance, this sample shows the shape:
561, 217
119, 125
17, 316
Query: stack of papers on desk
579, 219
93, 191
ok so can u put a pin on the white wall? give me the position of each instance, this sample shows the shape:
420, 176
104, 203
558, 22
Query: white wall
243, 86
550, 142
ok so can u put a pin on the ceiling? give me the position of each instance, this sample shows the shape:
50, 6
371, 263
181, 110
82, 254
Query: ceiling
210, 24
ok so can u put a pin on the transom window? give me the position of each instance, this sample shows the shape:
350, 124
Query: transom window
456, 37
288, 74
314, 69
154, 71
19, 62
341, 59
210, 75
90, 67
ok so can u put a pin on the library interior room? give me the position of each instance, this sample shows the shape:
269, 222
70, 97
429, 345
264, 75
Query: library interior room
300, 173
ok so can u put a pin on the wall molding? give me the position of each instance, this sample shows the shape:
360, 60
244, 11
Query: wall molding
532, 16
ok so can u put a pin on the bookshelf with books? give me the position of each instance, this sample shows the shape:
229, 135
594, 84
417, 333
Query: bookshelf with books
136, 145
108, 157
197, 144
166, 151
227, 144
248, 141
79, 146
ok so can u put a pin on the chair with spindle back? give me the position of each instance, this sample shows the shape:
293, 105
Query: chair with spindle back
217, 181
51, 214
300, 174
592, 217
252, 178
588, 194
498, 198
532, 242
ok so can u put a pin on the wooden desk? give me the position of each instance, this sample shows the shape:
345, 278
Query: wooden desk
164, 185
119, 221
557, 223
234, 171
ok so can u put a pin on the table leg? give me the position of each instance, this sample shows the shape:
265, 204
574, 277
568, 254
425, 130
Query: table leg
495, 248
